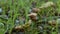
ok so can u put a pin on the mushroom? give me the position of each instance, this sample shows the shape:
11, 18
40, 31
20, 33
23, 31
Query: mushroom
47, 4
52, 23
26, 25
35, 10
18, 27
33, 16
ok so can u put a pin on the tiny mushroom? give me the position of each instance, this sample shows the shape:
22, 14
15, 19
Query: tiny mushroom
18, 27
47, 4
52, 23
33, 16
35, 10
26, 25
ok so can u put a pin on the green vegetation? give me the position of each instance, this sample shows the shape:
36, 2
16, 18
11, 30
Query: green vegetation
29, 16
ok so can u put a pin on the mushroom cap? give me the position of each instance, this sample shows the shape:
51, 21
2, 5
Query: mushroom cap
32, 14
35, 10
